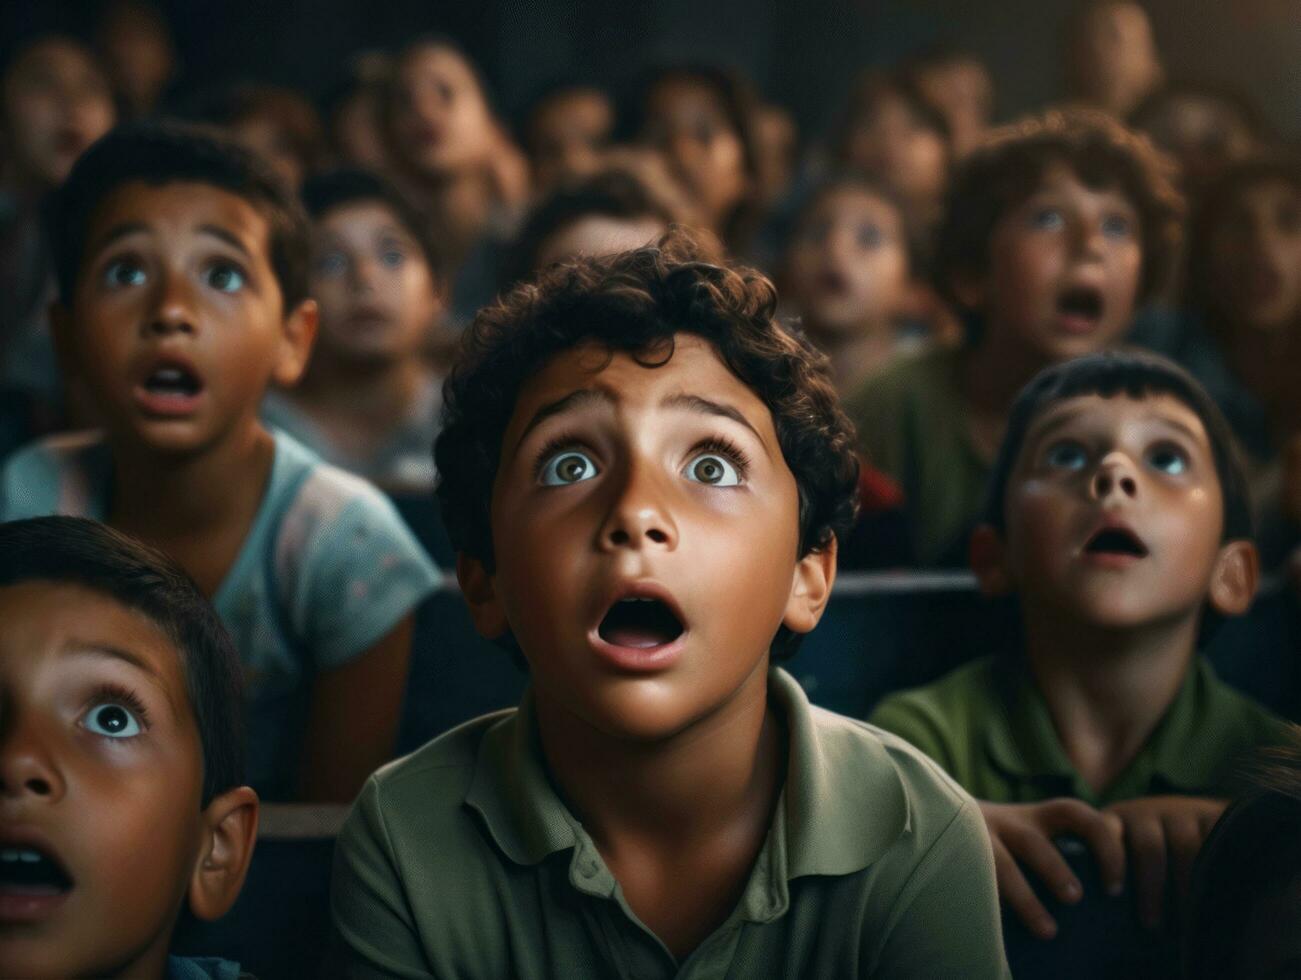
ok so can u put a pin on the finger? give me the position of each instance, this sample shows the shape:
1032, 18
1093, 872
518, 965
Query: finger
1184, 840
1146, 841
1042, 857
1018, 896
1103, 832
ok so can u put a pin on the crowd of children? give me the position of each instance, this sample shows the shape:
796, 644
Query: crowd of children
662, 366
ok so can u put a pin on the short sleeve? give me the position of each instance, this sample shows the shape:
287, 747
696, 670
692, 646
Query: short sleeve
904, 715
29, 484
946, 921
360, 572
373, 932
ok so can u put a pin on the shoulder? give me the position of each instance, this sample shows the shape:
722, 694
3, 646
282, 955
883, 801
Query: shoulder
957, 695
53, 475
908, 380
1225, 706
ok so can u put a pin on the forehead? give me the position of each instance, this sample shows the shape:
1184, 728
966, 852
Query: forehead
43, 619
683, 93
694, 369
1059, 177
435, 61
180, 207
835, 201
361, 216
1121, 411
54, 56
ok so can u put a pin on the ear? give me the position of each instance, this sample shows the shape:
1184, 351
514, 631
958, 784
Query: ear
298, 335
481, 596
229, 833
1234, 578
987, 555
815, 573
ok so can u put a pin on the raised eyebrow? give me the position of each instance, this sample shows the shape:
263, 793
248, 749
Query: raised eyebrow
218, 232
1178, 426
115, 234
571, 402
704, 406
107, 651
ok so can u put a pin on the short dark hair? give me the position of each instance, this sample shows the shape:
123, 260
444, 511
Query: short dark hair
296, 117
1137, 374
338, 188
636, 302
611, 193
171, 152
874, 85
76, 551
1010, 165
1253, 851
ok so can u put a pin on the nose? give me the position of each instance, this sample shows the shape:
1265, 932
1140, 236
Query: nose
1090, 239
27, 770
639, 518
1114, 477
364, 273
173, 308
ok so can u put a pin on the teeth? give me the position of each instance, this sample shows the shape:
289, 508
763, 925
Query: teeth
169, 374
20, 854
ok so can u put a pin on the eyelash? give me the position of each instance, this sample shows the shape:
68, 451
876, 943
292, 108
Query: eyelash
714, 444
565, 440
115, 694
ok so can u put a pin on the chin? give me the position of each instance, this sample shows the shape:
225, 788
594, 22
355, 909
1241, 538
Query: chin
642, 710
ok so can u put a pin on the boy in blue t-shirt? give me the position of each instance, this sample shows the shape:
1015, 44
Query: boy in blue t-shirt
181, 266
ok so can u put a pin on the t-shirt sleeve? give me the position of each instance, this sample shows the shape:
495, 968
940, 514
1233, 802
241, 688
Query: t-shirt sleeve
906, 716
362, 574
29, 485
373, 931
946, 921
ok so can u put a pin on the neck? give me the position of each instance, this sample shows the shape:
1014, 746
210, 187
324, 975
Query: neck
376, 391
673, 791
1107, 689
158, 497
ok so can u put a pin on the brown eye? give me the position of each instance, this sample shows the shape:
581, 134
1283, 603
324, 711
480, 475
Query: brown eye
712, 470
565, 468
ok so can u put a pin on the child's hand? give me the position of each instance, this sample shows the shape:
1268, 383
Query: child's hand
1160, 830
1024, 832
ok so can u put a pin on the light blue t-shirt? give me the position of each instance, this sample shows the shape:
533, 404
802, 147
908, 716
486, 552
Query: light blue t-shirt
327, 570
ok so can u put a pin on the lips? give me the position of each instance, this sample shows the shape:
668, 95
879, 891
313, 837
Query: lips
1115, 542
33, 881
642, 628
171, 387
1080, 308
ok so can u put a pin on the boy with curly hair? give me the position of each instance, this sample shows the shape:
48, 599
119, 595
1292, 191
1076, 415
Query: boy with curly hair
645, 477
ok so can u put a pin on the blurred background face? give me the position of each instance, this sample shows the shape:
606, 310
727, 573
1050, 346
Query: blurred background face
847, 267
688, 122
56, 103
567, 134
1114, 58
1256, 258
441, 123
138, 54
358, 131
963, 91
778, 150
891, 143
377, 294
1204, 134
263, 134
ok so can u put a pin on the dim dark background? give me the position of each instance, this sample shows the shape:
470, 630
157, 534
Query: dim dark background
802, 53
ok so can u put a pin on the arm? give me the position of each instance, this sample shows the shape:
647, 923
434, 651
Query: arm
353, 719
946, 922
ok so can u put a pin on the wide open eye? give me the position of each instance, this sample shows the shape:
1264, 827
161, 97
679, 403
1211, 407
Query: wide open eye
712, 469
112, 720
124, 272
225, 277
1047, 219
1066, 455
567, 467
1168, 459
1118, 226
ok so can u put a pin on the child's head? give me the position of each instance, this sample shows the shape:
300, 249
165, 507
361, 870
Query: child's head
846, 266
777, 138
565, 132
959, 84
376, 273
1245, 905
55, 103
641, 428
703, 120
354, 111
1206, 128
121, 759
893, 135
1117, 498
438, 117
1244, 261
613, 211
1112, 60
276, 123
138, 51
1055, 229
182, 277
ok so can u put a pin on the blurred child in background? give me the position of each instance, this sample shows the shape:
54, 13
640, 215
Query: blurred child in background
959, 84
276, 123
139, 54
1112, 61
566, 131
354, 113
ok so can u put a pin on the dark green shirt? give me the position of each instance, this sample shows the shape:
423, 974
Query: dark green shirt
460, 861
989, 727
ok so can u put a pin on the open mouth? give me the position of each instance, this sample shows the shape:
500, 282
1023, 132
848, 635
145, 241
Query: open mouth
1116, 541
28, 871
1081, 302
640, 623
173, 381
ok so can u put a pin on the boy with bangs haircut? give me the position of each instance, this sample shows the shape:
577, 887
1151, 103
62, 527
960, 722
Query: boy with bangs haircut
1055, 230
1118, 517
645, 477
121, 758
181, 265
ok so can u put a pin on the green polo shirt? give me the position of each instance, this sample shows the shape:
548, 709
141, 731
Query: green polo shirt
989, 727
460, 861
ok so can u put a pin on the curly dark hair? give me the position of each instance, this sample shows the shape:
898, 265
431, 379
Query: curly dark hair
636, 302
1009, 166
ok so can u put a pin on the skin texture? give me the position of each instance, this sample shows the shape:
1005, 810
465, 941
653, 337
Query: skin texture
1114, 57
1109, 640
687, 122
567, 135
599, 234
441, 120
891, 144
964, 92
182, 270
137, 48
56, 103
1256, 260
96, 801
673, 770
